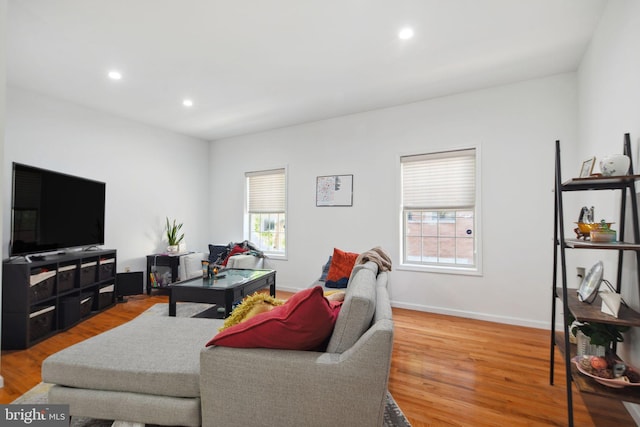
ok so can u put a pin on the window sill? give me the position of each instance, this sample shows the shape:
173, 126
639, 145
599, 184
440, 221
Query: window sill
470, 271
276, 257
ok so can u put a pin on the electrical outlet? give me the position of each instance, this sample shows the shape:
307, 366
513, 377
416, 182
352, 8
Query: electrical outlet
580, 272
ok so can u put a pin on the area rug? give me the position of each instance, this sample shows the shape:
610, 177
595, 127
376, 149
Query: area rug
183, 309
393, 416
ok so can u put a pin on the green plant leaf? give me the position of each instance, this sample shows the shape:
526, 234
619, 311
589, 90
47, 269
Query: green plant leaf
602, 334
172, 232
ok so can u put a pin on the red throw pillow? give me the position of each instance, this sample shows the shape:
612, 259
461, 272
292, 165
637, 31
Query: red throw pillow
304, 322
237, 249
341, 265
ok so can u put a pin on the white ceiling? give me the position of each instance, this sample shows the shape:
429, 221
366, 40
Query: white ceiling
252, 65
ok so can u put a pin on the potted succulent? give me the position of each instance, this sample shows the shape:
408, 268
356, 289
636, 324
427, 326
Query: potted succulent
173, 236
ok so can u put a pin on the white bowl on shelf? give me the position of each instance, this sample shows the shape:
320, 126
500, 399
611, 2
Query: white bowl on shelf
615, 165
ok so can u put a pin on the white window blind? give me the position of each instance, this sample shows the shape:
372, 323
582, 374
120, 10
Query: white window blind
266, 191
443, 180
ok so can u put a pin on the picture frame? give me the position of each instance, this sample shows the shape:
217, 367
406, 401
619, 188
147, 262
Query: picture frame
587, 167
334, 190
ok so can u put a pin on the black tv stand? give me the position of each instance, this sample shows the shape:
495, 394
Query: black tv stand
53, 292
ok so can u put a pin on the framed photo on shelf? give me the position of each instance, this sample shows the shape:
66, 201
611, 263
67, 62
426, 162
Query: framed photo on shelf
587, 167
334, 190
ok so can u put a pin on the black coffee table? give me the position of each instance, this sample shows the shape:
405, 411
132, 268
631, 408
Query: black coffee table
227, 287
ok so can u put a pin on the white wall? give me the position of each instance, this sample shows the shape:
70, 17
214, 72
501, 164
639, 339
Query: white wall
514, 126
149, 173
3, 19
609, 94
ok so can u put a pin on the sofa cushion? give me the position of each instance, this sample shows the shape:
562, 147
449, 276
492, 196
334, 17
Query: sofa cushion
383, 304
340, 269
241, 260
325, 270
357, 310
217, 253
304, 322
138, 356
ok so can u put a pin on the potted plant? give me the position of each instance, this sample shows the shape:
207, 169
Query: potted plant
599, 334
172, 235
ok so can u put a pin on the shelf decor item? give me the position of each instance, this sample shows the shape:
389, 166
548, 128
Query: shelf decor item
584, 229
611, 303
585, 348
172, 236
615, 165
587, 167
602, 234
600, 334
591, 283
616, 382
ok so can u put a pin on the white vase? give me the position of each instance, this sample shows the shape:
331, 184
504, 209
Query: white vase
172, 249
615, 165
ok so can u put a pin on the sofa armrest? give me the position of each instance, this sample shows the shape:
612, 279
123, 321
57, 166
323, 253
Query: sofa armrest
293, 388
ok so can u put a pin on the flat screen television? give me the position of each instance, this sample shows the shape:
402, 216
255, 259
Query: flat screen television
52, 211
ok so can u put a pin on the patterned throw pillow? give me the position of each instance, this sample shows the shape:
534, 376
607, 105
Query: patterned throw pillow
249, 307
304, 322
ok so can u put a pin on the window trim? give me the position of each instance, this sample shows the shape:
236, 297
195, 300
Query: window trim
446, 269
246, 227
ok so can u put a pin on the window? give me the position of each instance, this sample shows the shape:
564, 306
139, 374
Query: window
439, 209
266, 210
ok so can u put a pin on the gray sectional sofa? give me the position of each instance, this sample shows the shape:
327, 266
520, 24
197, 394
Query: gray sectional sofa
155, 370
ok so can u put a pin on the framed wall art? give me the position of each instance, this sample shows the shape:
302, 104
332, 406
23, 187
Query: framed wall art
334, 190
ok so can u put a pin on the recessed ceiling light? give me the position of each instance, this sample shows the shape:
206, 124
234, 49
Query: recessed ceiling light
115, 75
187, 103
405, 33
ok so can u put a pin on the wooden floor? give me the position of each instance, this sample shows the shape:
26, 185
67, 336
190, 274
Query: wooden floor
446, 371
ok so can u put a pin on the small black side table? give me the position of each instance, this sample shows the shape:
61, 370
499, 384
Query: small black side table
157, 266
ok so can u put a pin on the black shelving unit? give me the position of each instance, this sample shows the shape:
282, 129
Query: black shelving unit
162, 266
570, 303
41, 298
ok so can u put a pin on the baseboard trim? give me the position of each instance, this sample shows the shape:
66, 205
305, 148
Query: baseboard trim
288, 289
474, 315
460, 313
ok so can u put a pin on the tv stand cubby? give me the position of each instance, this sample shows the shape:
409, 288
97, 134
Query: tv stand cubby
41, 298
